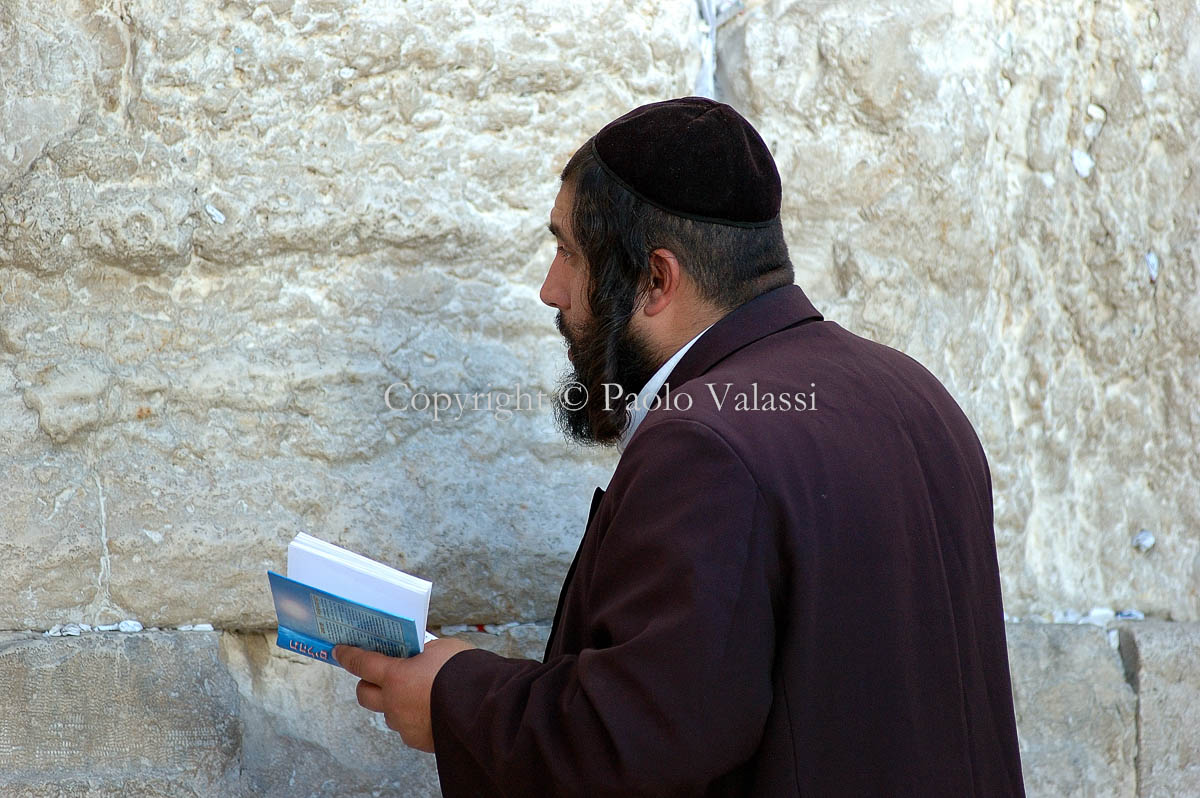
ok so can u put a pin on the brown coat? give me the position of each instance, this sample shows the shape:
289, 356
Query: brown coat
765, 602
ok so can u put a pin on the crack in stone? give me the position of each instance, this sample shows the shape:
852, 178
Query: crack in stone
102, 601
714, 14
1131, 663
706, 79
129, 91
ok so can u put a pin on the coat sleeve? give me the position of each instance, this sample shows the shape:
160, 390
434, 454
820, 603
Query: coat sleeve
676, 689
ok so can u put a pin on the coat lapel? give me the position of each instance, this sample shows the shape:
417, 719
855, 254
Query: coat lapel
596, 497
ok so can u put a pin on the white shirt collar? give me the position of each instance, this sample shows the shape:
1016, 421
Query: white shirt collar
645, 397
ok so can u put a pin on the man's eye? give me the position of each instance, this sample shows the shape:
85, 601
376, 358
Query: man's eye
563, 253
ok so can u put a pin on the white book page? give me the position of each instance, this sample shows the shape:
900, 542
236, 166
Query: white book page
342, 572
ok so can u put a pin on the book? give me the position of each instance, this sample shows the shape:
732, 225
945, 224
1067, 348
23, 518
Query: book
332, 596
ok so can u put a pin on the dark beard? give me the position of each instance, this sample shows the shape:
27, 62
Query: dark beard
602, 362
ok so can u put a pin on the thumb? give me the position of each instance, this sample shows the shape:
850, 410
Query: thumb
349, 658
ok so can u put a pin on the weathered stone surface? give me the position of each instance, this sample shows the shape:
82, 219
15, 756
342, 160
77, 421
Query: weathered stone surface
1164, 657
330, 198
116, 714
226, 230
51, 548
1006, 191
306, 734
194, 714
303, 724
199, 714
1076, 714
115, 786
520, 641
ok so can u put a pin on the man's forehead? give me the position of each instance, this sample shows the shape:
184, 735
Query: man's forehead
560, 214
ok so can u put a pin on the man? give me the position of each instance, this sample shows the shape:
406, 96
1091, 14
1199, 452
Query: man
790, 586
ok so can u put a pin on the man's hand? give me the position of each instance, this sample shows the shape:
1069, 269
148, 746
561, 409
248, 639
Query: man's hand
400, 688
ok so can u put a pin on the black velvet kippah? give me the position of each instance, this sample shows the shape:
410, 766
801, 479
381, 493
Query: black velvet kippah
693, 157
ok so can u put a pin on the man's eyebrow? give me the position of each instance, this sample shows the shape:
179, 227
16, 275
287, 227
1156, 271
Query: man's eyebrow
556, 231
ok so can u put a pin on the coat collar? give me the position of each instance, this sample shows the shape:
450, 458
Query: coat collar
765, 314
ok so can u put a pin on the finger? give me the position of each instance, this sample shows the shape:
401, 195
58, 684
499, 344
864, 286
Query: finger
347, 657
364, 664
370, 696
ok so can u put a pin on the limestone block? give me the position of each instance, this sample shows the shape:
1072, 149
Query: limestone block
1163, 657
226, 231
116, 786
116, 714
70, 399
47, 71
517, 640
306, 734
52, 549
1004, 190
304, 729
1076, 714
229, 228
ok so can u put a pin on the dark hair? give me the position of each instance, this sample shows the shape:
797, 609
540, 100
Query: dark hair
616, 232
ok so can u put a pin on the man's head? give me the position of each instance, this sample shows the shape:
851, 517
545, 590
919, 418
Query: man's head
666, 220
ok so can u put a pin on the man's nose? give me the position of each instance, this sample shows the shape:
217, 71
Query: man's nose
554, 288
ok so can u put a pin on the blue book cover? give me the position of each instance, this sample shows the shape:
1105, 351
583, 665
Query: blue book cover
312, 622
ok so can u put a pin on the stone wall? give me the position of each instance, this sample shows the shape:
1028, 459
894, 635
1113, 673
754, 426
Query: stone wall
226, 228
1006, 191
227, 231
1102, 713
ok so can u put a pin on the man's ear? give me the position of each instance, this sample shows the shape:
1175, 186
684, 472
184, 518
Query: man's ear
666, 275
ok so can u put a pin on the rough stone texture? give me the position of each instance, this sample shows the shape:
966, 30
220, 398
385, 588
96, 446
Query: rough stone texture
1076, 714
114, 714
1164, 657
193, 714
200, 714
306, 734
303, 724
987, 186
224, 231
226, 228
521, 641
